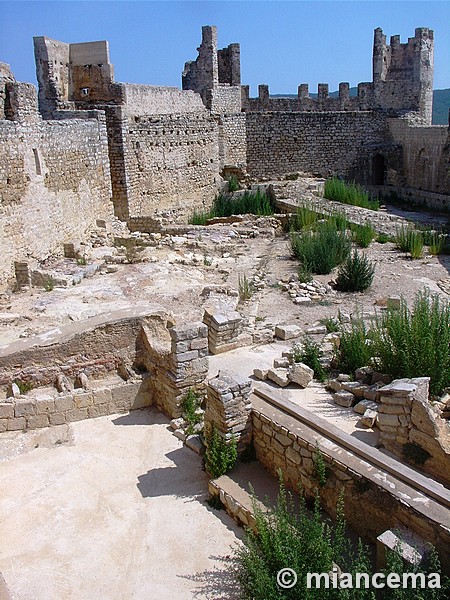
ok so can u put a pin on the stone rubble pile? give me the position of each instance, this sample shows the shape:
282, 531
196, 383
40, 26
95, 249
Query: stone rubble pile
305, 293
285, 371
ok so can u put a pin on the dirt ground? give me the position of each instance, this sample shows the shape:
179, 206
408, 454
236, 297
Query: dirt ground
175, 272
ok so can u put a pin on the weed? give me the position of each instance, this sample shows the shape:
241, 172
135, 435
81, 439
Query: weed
408, 239
383, 238
233, 184
436, 243
348, 193
220, 455
354, 349
310, 353
224, 205
320, 472
207, 261
356, 274
81, 261
363, 235
415, 453
304, 274
24, 386
331, 324
246, 288
322, 250
189, 407
49, 285
416, 342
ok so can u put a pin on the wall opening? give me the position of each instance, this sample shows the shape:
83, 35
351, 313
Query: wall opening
378, 170
37, 162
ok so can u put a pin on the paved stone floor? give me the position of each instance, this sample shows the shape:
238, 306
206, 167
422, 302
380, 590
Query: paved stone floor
109, 508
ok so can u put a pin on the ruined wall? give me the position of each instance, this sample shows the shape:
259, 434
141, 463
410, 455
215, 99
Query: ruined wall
318, 143
54, 180
426, 155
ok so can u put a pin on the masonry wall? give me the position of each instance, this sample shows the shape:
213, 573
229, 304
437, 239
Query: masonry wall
319, 143
426, 155
54, 184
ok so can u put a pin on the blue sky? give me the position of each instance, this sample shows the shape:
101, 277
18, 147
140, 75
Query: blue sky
283, 44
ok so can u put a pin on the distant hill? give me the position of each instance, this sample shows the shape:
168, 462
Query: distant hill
441, 103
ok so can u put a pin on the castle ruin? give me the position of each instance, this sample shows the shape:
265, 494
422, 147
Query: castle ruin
85, 147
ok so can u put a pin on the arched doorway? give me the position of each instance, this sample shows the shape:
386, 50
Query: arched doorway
378, 169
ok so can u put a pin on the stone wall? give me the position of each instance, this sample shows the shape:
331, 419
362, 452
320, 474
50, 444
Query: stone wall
233, 141
173, 162
426, 155
54, 180
371, 506
28, 412
318, 143
406, 417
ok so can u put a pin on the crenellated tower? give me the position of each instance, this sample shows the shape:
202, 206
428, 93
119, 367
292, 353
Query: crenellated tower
403, 73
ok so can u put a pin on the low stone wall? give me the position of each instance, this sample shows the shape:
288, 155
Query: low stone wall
228, 409
372, 504
406, 419
223, 331
26, 412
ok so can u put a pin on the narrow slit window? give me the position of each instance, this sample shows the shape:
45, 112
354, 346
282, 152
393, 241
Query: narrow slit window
37, 162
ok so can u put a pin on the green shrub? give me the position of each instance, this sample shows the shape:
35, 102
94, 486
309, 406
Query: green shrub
189, 407
200, 218
220, 454
304, 218
320, 471
322, 250
24, 386
310, 353
363, 235
49, 285
410, 240
355, 274
304, 274
255, 203
348, 193
416, 342
355, 350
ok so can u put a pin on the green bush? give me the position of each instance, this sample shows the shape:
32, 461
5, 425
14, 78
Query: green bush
383, 238
416, 342
355, 274
331, 324
220, 455
246, 288
436, 243
348, 193
304, 218
363, 235
310, 353
355, 350
322, 250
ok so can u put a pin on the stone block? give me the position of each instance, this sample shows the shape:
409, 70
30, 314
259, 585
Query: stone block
64, 404
388, 420
57, 419
287, 332
355, 387
37, 421
188, 332
301, 374
194, 442
45, 406
187, 356
102, 396
77, 414
17, 424
364, 405
260, 374
179, 433
345, 399
3, 425
373, 392
24, 407
334, 385
279, 376
281, 363
99, 410
317, 330
199, 344
83, 400
364, 374
6, 410
369, 418
423, 417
